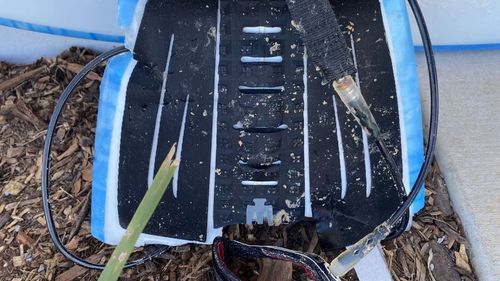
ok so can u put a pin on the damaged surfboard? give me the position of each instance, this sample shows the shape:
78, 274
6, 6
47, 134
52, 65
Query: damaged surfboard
261, 139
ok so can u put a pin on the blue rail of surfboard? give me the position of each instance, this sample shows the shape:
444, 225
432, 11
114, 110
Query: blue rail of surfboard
405, 70
109, 89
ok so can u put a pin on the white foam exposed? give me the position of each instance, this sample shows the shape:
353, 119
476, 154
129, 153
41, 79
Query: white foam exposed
239, 126
180, 143
343, 170
368, 165
307, 176
154, 147
260, 183
274, 59
366, 148
275, 163
261, 29
283, 127
213, 232
277, 88
113, 231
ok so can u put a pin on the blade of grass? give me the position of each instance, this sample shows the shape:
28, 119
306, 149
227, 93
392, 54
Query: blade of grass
141, 218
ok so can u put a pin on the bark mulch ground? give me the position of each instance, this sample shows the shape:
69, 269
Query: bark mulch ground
434, 249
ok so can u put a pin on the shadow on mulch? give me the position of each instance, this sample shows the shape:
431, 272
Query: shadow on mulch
434, 249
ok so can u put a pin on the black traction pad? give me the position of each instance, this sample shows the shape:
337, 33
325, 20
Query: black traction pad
282, 138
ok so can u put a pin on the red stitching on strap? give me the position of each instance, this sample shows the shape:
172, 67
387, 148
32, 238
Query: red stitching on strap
220, 251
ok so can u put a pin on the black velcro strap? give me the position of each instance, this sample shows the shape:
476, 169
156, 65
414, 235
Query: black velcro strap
325, 43
315, 267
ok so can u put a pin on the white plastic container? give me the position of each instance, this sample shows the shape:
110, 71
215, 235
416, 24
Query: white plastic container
453, 24
460, 24
77, 20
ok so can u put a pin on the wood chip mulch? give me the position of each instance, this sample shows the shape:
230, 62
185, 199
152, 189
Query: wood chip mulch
434, 249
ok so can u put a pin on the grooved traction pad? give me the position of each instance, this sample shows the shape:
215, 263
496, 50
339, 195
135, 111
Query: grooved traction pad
259, 170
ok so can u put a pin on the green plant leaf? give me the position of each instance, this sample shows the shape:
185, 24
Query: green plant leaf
141, 217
